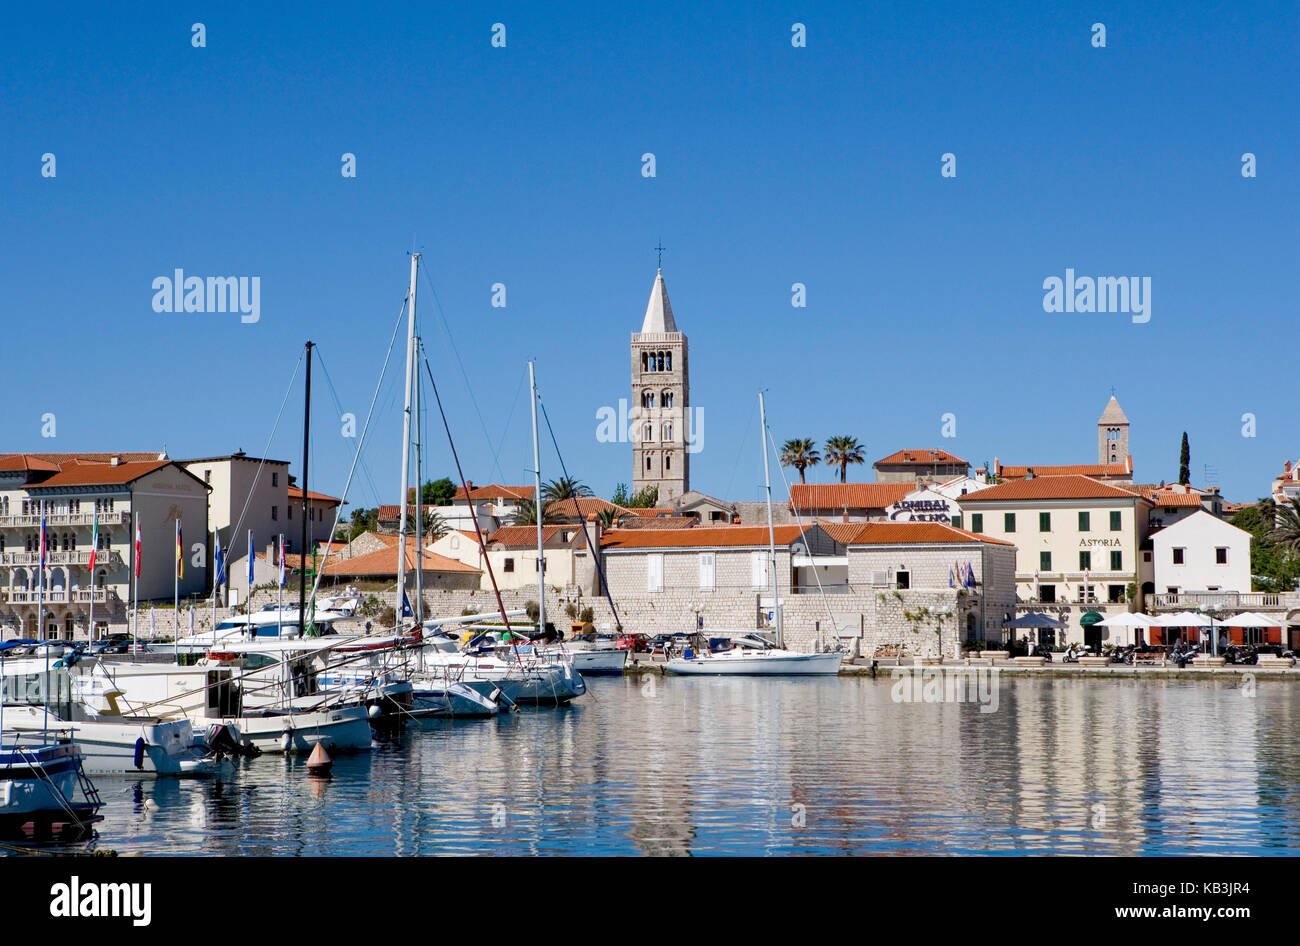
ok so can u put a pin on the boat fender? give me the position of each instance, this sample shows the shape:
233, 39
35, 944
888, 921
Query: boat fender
374, 711
139, 752
286, 740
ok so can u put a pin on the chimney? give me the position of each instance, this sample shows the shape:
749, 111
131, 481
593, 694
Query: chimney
1029, 472
1287, 468
114, 461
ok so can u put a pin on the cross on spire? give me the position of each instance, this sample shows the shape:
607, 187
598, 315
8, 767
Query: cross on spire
660, 248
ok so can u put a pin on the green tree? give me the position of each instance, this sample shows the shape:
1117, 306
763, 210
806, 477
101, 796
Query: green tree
646, 498
437, 492
566, 487
1286, 530
800, 454
621, 497
526, 513
363, 520
841, 451
607, 518
1185, 462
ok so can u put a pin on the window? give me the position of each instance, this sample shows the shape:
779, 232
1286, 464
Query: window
647, 399
275, 513
758, 569
275, 478
956, 520
1008, 522
648, 433
977, 522
288, 511
509, 564
1178, 556
1045, 561
1117, 561
1085, 521
1115, 593
1115, 521
707, 571
207, 476
668, 432
1085, 561
654, 572
1044, 522
668, 399
647, 463
902, 580
1221, 556
668, 461
1047, 594
1146, 556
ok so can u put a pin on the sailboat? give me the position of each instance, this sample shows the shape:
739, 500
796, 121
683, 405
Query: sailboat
761, 660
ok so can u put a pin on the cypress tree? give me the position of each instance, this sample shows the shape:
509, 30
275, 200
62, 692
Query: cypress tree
1185, 462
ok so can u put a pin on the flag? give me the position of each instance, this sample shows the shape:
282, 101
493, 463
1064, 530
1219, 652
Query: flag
220, 561
970, 575
406, 606
94, 547
281, 561
180, 554
950, 578
137, 548
42, 537
250, 559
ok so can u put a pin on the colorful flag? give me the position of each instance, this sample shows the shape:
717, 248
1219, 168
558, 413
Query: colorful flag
42, 537
220, 561
250, 560
406, 605
281, 561
951, 578
180, 554
94, 548
137, 548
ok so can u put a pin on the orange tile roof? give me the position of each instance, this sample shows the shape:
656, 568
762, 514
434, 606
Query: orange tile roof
659, 522
698, 537
1077, 469
651, 512
494, 491
921, 458
60, 458
1171, 499
383, 562
1049, 487
588, 506
295, 492
25, 462
100, 474
835, 496
389, 513
915, 533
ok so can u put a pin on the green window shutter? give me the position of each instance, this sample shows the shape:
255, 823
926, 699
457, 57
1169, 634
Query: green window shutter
1117, 561
1085, 561
1085, 521
1044, 522
977, 522
1008, 522
1115, 521
956, 521
1045, 561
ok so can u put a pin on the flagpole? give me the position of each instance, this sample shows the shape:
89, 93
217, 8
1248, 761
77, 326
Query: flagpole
176, 595
94, 541
279, 601
40, 623
216, 555
135, 574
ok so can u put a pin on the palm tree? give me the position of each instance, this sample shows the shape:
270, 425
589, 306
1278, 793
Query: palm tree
526, 513
566, 487
1287, 531
800, 454
607, 517
841, 451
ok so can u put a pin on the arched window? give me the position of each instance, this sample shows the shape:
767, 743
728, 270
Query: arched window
648, 433
668, 461
668, 399
648, 399
668, 432
647, 462
644, 359
669, 356
661, 362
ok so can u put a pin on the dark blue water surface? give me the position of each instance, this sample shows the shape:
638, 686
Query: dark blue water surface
697, 766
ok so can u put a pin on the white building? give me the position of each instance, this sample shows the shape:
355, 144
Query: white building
1201, 553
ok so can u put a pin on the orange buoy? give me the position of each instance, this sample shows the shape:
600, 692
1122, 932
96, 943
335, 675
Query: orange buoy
319, 762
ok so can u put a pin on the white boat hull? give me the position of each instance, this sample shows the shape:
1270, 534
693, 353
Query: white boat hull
600, 662
110, 747
340, 730
758, 663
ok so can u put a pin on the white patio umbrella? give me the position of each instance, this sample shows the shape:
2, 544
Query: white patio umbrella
1250, 619
1125, 619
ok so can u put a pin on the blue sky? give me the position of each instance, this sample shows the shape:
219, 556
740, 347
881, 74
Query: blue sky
775, 165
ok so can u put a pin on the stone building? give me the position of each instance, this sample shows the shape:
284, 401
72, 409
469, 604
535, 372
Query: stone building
661, 398
851, 502
915, 466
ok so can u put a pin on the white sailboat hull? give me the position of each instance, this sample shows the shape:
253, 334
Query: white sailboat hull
776, 663
340, 730
598, 662
110, 747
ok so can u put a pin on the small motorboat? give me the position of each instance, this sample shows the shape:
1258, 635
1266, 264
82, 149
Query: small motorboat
43, 789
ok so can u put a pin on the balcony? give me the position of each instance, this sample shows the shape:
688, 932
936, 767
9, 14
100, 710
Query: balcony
65, 519
105, 557
1224, 600
76, 596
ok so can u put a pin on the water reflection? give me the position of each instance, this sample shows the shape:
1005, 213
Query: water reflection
750, 766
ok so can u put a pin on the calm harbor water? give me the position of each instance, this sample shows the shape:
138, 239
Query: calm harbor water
697, 766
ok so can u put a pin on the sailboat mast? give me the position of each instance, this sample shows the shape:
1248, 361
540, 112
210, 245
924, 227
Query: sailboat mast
406, 442
771, 530
302, 552
537, 508
419, 479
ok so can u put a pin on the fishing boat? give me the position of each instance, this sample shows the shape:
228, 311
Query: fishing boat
43, 788
761, 659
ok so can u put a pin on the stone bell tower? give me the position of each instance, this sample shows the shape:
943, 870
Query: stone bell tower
1112, 434
660, 396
